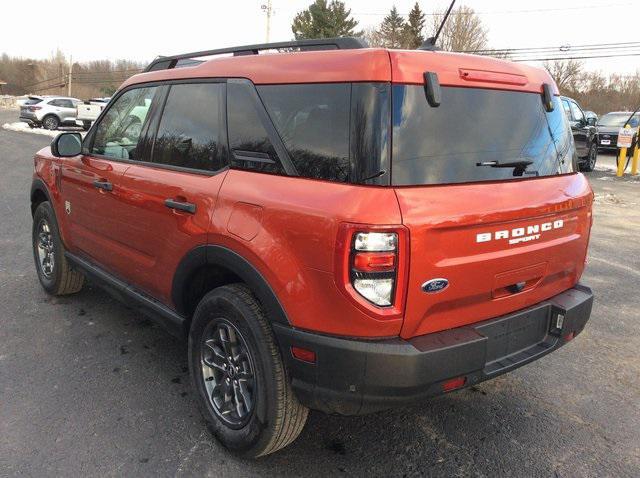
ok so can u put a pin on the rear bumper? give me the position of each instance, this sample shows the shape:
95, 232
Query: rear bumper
352, 377
29, 119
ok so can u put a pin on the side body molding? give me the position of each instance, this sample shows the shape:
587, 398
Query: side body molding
225, 257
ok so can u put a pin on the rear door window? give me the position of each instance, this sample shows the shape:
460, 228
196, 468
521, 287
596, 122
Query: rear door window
313, 122
476, 135
190, 131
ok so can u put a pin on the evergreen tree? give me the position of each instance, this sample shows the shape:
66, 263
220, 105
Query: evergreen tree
324, 20
392, 29
413, 29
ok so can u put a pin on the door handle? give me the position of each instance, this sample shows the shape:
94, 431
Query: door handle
104, 185
180, 206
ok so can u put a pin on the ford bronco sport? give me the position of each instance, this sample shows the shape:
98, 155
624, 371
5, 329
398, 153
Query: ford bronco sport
330, 226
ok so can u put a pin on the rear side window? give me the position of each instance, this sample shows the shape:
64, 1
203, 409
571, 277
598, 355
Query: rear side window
190, 131
313, 122
476, 135
249, 141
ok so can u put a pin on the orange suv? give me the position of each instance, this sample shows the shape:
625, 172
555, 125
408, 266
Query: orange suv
331, 226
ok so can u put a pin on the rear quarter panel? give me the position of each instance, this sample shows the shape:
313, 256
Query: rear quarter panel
287, 228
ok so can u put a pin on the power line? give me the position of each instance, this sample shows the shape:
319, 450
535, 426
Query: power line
593, 46
585, 57
503, 12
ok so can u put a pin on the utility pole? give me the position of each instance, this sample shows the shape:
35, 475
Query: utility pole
269, 11
70, 73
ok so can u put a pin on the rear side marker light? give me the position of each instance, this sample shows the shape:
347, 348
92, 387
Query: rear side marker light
453, 384
305, 355
569, 337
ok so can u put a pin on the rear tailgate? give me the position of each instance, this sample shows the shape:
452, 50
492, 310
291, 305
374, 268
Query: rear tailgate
501, 246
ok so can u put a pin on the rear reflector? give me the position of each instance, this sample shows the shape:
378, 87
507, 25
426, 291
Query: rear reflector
569, 337
374, 261
453, 384
305, 355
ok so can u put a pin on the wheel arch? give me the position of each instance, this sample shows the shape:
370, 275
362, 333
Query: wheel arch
230, 267
39, 194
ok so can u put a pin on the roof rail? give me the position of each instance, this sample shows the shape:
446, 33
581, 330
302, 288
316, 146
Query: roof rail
344, 43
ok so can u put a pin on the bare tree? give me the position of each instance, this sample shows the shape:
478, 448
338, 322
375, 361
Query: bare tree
464, 30
567, 74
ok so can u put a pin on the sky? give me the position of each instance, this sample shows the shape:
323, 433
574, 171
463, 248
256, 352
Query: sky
141, 29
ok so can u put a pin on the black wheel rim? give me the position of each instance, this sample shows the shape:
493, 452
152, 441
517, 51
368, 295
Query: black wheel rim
45, 249
228, 373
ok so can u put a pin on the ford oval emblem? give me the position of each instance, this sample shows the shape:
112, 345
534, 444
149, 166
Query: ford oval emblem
435, 285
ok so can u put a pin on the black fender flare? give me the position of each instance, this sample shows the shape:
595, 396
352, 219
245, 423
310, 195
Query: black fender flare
225, 257
38, 185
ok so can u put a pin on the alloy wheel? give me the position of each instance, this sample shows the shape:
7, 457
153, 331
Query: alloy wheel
46, 253
228, 373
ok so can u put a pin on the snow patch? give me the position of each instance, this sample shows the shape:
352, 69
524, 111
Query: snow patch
24, 128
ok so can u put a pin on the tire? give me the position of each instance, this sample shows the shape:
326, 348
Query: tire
272, 416
50, 122
590, 161
59, 278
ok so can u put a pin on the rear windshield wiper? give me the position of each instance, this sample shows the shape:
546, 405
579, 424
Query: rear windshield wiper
519, 167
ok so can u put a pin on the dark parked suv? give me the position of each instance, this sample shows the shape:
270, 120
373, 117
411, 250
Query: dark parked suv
329, 229
610, 124
585, 134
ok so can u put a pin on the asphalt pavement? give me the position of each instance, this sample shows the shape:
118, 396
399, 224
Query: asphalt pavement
88, 387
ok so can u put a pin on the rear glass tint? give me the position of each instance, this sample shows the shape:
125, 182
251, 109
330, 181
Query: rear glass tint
313, 123
33, 101
472, 133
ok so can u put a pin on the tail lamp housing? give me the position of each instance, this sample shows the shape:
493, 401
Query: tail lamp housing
34, 108
371, 267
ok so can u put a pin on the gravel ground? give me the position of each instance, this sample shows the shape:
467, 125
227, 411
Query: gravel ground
90, 388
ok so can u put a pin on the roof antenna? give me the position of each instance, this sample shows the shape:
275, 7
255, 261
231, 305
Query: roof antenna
430, 43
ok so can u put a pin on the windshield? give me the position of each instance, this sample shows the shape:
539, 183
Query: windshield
476, 135
616, 120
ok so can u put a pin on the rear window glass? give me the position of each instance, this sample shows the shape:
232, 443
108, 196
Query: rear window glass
33, 101
476, 135
313, 123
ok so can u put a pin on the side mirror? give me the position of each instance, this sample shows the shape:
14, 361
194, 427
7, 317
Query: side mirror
66, 145
592, 121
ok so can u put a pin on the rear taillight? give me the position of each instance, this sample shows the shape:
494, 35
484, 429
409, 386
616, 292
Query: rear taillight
35, 108
372, 267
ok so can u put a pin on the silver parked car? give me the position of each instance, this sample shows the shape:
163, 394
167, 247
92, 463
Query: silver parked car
50, 112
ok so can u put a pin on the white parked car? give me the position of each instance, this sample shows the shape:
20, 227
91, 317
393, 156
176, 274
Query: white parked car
50, 112
89, 111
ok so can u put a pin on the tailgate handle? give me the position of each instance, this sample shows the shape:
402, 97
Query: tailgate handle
517, 287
